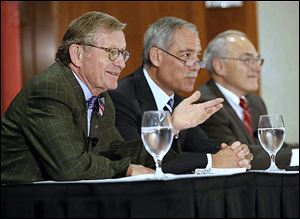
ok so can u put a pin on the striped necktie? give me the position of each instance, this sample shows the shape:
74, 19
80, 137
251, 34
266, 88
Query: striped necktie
97, 104
169, 105
247, 116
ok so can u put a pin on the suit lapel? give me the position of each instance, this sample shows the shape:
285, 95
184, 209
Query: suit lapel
80, 99
144, 94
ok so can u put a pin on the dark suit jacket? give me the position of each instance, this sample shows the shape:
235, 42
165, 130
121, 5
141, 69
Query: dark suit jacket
134, 96
226, 126
43, 134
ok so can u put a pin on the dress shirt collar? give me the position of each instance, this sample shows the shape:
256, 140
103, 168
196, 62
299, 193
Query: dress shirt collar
161, 98
233, 100
86, 91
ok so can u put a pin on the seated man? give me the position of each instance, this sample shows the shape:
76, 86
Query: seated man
235, 66
61, 125
170, 64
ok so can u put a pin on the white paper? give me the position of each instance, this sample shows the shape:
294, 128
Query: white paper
220, 171
213, 172
275, 172
295, 157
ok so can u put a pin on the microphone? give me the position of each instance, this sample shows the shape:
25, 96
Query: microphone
91, 142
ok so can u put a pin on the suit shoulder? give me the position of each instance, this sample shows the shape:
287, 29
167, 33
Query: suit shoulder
206, 93
126, 86
256, 101
54, 82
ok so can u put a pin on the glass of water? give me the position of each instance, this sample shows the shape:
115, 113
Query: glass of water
157, 135
271, 134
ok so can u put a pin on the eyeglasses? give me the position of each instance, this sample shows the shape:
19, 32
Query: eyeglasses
113, 53
189, 63
247, 61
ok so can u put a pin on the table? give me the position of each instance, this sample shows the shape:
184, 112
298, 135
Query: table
249, 194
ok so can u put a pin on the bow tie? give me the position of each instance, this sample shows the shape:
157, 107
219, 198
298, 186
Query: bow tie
96, 103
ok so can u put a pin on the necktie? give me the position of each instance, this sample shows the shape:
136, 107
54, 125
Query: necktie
247, 116
169, 105
97, 104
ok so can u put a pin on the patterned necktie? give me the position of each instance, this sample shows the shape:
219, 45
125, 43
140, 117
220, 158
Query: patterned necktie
247, 116
169, 105
97, 104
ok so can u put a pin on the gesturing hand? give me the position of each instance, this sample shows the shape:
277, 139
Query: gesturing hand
189, 114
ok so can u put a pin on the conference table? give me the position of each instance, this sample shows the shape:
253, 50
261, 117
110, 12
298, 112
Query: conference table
244, 194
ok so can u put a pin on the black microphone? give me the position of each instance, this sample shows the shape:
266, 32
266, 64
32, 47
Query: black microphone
92, 142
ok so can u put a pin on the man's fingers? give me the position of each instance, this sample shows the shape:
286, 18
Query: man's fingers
224, 145
244, 163
212, 110
249, 156
235, 145
212, 103
193, 98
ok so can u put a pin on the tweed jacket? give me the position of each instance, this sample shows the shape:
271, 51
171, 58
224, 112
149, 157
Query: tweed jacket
226, 126
44, 134
134, 96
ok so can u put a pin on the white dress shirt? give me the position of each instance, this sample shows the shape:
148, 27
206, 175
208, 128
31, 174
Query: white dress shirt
233, 100
87, 95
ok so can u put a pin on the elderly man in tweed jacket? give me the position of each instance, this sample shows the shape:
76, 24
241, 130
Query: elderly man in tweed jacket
61, 126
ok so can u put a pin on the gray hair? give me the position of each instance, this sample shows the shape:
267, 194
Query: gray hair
161, 34
218, 47
83, 29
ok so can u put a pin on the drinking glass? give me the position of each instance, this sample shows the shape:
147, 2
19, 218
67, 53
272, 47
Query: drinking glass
271, 133
157, 135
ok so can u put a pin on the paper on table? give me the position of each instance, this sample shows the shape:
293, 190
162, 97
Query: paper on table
150, 177
220, 171
275, 172
295, 157
142, 177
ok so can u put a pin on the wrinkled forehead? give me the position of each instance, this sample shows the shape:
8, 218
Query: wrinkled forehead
239, 45
186, 38
111, 39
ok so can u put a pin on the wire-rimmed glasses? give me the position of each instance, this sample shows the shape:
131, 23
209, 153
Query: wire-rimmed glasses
113, 53
249, 61
189, 63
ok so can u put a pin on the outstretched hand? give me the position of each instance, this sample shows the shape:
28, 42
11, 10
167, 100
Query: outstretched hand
189, 114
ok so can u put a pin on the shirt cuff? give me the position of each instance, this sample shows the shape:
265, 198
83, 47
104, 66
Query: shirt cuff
209, 161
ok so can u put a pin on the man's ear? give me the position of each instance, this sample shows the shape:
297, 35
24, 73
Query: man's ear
218, 66
155, 56
76, 53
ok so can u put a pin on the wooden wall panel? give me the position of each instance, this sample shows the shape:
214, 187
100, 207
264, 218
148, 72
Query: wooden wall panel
48, 21
239, 18
137, 14
38, 37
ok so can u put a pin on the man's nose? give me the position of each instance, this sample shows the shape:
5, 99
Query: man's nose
120, 62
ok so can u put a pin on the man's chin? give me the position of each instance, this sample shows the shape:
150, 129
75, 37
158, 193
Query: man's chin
113, 87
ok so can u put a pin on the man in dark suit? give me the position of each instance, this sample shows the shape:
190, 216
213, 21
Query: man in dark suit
170, 63
61, 126
234, 66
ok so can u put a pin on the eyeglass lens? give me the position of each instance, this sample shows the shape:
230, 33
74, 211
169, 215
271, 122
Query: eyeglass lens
114, 54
